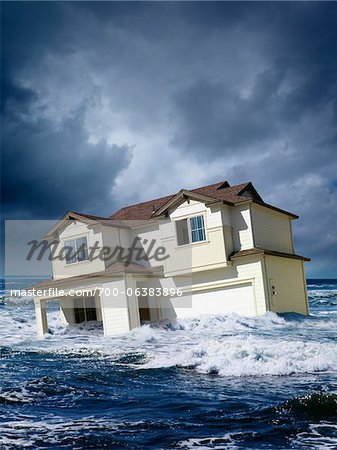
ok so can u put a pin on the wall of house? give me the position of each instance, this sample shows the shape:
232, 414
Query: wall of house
272, 230
286, 284
113, 237
78, 229
205, 255
149, 236
238, 288
242, 227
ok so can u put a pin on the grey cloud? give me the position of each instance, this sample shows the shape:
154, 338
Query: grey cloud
216, 120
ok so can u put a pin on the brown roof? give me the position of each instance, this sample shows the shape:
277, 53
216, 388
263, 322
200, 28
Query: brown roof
222, 191
145, 210
141, 211
256, 250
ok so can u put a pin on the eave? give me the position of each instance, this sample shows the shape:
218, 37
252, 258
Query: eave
261, 251
182, 196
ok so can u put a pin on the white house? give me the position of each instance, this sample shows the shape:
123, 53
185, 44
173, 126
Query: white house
213, 250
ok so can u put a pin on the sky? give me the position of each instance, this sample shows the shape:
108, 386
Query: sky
106, 104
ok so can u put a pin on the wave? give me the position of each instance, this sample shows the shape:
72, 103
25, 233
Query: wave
250, 356
319, 293
318, 405
228, 346
225, 345
304, 422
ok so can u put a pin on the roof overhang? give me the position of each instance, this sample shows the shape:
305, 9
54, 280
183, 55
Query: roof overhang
182, 196
116, 270
90, 221
274, 208
62, 224
261, 251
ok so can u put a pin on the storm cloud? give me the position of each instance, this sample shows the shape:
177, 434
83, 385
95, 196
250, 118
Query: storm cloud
111, 103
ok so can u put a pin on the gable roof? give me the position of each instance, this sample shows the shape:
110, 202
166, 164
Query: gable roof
220, 192
63, 222
213, 193
89, 219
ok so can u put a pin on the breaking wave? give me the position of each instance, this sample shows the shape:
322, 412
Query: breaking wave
227, 346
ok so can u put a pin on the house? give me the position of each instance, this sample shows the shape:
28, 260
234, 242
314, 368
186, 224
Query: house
216, 249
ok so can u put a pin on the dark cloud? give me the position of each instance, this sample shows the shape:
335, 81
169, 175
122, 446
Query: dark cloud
49, 170
200, 91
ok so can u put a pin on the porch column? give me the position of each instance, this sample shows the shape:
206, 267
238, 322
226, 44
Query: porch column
41, 316
132, 301
114, 307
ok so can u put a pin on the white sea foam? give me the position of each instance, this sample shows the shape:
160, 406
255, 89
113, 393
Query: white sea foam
13, 434
228, 345
319, 436
226, 442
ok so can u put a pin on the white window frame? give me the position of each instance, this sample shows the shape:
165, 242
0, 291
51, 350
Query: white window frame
74, 238
190, 231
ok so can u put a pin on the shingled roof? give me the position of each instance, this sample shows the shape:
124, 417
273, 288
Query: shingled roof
222, 192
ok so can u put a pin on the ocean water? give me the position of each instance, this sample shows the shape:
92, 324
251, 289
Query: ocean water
220, 382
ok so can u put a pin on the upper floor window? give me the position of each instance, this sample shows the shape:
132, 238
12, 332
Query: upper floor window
78, 250
191, 230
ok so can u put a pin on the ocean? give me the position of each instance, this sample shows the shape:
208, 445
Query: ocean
214, 382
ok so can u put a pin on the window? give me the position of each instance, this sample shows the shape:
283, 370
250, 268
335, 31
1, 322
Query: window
77, 250
197, 229
190, 230
84, 309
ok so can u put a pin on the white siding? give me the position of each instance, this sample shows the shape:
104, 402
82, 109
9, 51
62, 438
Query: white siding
242, 228
224, 283
272, 230
115, 314
188, 209
73, 230
237, 299
150, 237
204, 255
113, 237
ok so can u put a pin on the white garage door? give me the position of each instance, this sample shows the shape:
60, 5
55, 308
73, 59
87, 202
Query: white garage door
237, 299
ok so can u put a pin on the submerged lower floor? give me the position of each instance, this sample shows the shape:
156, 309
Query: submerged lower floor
123, 300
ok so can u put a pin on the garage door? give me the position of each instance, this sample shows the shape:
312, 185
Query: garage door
237, 299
